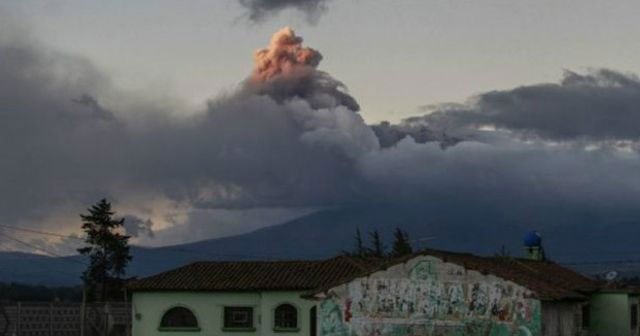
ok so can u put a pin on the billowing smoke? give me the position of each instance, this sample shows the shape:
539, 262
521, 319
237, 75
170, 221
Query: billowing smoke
270, 143
94, 107
289, 136
259, 10
286, 69
390, 134
571, 143
602, 105
285, 57
292, 136
136, 226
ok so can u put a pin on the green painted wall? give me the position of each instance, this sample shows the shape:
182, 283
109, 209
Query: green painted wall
610, 314
148, 308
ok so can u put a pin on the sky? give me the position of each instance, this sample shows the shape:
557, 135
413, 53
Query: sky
158, 106
435, 51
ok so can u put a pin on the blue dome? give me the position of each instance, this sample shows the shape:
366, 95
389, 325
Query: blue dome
532, 239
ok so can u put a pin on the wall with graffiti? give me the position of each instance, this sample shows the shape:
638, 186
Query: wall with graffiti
426, 296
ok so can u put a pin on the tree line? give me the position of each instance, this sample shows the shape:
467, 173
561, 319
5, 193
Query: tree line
400, 247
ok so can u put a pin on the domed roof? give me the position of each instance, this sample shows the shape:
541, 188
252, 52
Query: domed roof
532, 239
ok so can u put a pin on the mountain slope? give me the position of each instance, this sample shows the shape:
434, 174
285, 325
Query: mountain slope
477, 228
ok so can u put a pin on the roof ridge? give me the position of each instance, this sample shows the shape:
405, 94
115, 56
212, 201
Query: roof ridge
519, 262
255, 261
253, 275
355, 262
492, 265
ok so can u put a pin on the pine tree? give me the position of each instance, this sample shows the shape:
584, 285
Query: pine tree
377, 248
360, 250
401, 244
503, 253
107, 247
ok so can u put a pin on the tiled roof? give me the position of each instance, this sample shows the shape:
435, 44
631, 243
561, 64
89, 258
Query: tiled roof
252, 275
548, 280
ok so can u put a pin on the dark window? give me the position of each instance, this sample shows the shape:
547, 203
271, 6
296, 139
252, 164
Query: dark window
286, 316
179, 317
238, 317
312, 321
634, 316
586, 316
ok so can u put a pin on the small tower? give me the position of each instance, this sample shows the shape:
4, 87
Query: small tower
533, 246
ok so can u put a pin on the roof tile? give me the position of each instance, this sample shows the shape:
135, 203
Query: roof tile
251, 275
548, 280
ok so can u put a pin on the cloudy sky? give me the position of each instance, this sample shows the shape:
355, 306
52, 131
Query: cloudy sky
163, 107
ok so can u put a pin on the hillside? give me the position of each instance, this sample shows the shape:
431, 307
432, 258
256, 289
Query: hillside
568, 237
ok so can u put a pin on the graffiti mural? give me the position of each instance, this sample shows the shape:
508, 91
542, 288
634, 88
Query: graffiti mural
429, 297
424, 270
331, 323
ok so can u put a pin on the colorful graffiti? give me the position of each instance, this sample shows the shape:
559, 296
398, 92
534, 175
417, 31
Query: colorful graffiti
430, 298
423, 270
331, 323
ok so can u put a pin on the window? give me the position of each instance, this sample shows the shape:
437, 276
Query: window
313, 315
238, 318
179, 318
286, 317
634, 316
586, 316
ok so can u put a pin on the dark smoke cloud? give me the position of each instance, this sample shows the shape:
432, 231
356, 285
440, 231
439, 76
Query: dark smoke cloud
506, 173
291, 136
52, 147
259, 10
390, 134
601, 105
572, 144
94, 107
288, 137
259, 146
136, 226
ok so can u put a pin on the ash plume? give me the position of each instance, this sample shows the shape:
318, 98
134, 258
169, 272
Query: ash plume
270, 143
94, 107
390, 134
286, 69
259, 10
291, 136
600, 105
136, 226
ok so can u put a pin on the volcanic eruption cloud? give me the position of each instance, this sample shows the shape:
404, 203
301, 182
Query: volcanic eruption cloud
291, 136
287, 70
259, 10
285, 56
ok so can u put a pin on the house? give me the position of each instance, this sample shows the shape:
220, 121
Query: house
614, 311
428, 293
235, 298
444, 293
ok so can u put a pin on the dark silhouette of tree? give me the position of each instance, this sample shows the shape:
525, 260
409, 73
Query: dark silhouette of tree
377, 248
401, 245
503, 253
360, 250
107, 246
